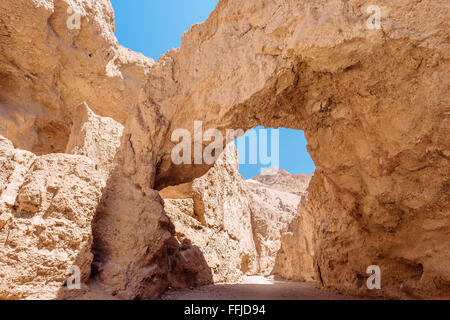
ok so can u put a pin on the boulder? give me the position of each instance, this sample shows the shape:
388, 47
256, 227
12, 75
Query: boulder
47, 207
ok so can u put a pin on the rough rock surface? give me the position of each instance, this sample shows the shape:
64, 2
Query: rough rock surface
213, 214
48, 69
374, 107
95, 137
274, 196
295, 259
281, 180
373, 104
47, 206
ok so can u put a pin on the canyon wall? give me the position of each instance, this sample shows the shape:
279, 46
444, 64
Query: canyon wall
373, 103
274, 196
237, 225
295, 259
95, 137
47, 206
49, 65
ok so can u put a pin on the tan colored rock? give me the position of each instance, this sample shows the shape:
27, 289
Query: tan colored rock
274, 196
95, 137
14, 167
213, 214
47, 207
48, 69
133, 237
373, 105
295, 259
281, 180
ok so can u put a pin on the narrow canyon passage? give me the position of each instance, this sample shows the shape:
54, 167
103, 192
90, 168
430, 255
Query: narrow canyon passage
89, 186
255, 288
228, 228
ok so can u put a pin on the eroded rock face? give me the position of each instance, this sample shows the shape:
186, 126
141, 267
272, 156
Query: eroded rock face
213, 214
274, 196
373, 105
281, 180
47, 207
49, 66
295, 259
95, 137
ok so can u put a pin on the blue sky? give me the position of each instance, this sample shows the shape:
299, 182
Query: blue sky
293, 156
153, 27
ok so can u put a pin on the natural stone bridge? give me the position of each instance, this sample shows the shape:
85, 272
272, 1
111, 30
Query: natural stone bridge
373, 104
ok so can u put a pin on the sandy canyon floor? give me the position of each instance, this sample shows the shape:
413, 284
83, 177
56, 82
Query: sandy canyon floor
255, 288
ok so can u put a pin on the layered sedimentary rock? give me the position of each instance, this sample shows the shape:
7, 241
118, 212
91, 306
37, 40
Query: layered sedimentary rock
47, 204
55, 54
274, 196
213, 214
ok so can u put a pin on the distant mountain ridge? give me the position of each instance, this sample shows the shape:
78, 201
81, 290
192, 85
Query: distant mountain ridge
274, 198
282, 180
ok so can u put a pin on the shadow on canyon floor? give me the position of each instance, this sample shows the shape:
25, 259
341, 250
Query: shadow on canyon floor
188, 268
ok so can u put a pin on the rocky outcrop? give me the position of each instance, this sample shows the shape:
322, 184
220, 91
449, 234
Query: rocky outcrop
47, 207
64, 54
236, 225
295, 259
372, 103
213, 214
281, 180
274, 196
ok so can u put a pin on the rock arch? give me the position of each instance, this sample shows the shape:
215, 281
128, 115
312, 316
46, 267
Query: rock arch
372, 103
